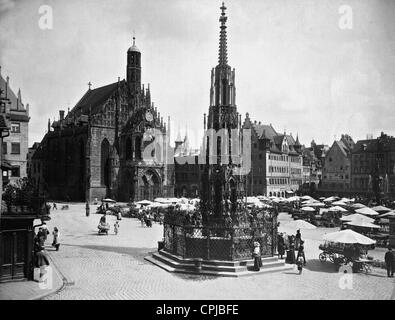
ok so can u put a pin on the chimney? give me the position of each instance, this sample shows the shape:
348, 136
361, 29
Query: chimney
61, 115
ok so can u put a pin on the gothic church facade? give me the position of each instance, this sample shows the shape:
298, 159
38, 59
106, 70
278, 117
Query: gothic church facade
97, 149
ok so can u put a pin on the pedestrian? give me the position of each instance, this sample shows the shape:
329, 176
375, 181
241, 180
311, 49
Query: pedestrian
141, 216
257, 256
298, 238
389, 262
54, 207
41, 235
45, 231
301, 253
56, 236
280, 245
87, 209
299, 263
291, 253
116, 227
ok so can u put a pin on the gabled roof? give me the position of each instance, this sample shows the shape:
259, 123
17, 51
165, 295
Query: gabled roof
268, 129
345, 150
95, 98
10, 95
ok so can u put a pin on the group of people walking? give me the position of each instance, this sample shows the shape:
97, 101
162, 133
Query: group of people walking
291, 244
146, 218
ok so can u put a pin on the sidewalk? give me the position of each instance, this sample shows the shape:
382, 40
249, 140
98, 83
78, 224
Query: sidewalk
31, 290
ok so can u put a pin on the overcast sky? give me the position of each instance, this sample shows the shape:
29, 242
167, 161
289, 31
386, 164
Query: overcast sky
295, 67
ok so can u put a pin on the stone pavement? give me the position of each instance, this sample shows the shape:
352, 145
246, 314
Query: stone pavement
31, 290
113, 267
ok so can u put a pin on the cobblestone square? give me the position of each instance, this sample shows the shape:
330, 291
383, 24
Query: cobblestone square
113, 267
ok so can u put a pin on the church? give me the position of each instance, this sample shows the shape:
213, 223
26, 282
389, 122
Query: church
98, 149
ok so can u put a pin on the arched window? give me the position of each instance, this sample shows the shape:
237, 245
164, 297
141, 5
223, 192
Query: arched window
137, 147
105, 163
128, 149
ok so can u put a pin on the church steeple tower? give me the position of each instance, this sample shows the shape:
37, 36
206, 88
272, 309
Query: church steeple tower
223, 91
133, 70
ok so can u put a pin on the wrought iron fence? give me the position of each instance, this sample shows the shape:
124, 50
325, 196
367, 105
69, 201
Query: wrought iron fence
220, 242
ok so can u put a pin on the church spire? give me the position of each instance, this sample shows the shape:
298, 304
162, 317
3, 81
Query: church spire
223, 46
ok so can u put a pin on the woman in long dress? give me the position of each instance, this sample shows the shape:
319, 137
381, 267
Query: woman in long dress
257, 256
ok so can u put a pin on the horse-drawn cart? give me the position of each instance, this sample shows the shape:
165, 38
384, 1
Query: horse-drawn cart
347, 248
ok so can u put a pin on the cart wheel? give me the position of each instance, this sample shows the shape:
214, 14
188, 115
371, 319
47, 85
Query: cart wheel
322, 257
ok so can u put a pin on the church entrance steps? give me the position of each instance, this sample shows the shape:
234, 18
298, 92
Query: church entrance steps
173, 263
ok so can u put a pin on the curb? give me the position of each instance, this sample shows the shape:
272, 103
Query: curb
65, 282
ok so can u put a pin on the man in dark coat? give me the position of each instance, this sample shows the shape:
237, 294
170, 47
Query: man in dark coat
389, 262
280, 246
301, 252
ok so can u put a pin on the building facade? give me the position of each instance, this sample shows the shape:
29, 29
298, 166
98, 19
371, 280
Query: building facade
276, 161
336, 172
373, 167
113, 143
15, 146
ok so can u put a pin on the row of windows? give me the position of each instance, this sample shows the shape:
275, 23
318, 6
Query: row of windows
278, 157
336, 176
278, 169
15, 148
296, 171
278, 181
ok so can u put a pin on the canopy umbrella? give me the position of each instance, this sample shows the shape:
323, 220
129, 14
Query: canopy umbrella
388, 214
337, 208
358, 206
306, 198
308, 209
348, 236
381, 209
310, 201
292, 226
367, 211
345, 200
294, 198
300, 224
187, 207
321, 198
144, 202
356, 216
262, 198
252, 200
314, 204
339, 203
363, 224
331, 199
108, 200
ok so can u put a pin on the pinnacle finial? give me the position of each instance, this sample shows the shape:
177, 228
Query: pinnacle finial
223, 50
